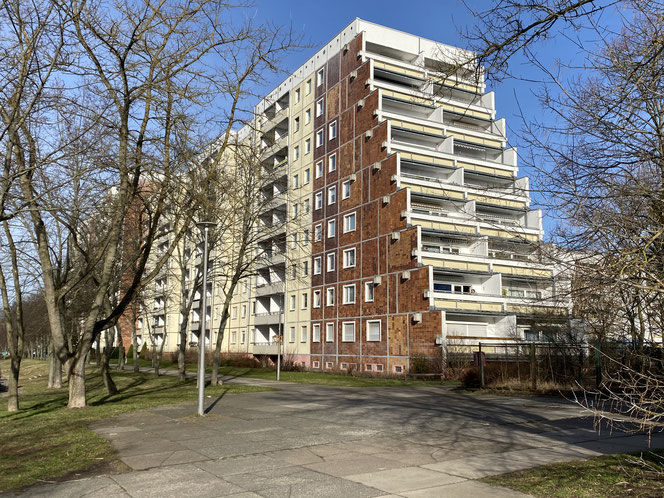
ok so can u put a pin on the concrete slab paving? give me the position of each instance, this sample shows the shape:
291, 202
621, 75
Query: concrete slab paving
479, 466
347, 465
404, 479
333, 442
182, 481
473, 489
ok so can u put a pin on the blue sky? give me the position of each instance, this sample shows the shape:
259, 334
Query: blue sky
437, 20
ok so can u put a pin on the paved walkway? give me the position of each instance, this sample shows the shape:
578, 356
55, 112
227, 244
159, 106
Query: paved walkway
315, 441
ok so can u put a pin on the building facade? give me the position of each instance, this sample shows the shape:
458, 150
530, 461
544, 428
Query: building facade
396, 222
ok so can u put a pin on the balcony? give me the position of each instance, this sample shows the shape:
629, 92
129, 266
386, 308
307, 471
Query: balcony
269, 289
269, 318
271, 348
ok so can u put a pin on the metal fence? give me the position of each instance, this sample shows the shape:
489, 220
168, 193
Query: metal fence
559, 365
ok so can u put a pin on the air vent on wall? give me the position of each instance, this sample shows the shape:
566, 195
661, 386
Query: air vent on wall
396, 236
386, 199
352, 75
417, 317
376, 166
405, 275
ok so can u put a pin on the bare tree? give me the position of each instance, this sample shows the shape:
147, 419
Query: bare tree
598, 149
140, 81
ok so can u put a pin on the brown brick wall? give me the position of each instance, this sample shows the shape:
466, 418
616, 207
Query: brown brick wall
395, 299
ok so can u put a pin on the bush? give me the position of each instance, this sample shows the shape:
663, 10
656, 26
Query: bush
470, 377
419, 365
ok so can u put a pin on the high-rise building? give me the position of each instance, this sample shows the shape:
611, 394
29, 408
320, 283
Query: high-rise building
398, 222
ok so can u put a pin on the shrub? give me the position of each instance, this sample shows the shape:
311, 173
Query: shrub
419, 365
470, 377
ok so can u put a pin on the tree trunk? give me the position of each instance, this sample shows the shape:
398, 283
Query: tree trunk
182, 374
214, 377
121, 356
15, 368
76, 375
105, 364
54, 370
134, 353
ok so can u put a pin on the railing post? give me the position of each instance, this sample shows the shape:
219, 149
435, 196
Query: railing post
533, 366
481, 362
598, 364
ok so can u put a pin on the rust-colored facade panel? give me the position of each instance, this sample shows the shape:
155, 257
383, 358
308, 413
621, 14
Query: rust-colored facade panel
349, 59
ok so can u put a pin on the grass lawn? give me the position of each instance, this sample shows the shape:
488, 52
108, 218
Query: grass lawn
613, 475
45, 440
320, 378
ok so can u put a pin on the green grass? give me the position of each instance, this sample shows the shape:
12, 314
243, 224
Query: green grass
45, 440
614, 475
319, 378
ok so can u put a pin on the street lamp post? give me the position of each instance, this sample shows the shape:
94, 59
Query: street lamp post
206, 225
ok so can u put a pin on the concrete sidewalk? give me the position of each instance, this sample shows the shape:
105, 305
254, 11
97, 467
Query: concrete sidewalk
318, 441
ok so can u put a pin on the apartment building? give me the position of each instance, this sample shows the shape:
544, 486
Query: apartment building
396, 222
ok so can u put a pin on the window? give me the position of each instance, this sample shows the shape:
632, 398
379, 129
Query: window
316, 364
368, 292
318, 200
234, 313
296, 209
307, 176
293, 272
316, 299
319, 138
297, 124
398, 369
373, 330
329, 332
345, 189
307, 88
307, 146
305, 268
320, 77
296, 153
307, 116
318, 232
233, 337
303, 334
332, 194
297, 95
294, 241
319, 108
379, 367
369, 367
349, 222
243, 337
244, 311
331, 228
349, 258
307, 206
317, 265
315, 337
292, 302
291, 336
332, 131
330, 262
349, 294
306, 237
348, 332
305, 300
329, 365
329, 296
319, 169
332, 163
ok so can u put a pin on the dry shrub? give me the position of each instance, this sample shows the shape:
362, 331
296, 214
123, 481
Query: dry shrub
470, 377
